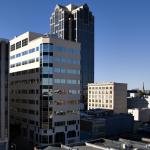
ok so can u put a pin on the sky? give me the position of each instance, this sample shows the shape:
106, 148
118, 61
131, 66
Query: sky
122, 34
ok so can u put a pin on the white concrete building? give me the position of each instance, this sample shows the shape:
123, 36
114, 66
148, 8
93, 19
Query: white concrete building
110, 96
45, 88
147, 97
134, 94
4, 103
139, 107
140, 114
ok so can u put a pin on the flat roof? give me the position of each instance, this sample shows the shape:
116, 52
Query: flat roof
102, 144
104, 83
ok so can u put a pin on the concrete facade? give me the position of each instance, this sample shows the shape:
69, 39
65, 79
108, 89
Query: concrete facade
111, 96
45, 88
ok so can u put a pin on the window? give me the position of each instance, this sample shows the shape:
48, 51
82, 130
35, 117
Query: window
45, 47
18, 44
31, 60
47, 59
24, 62
62, 81
18, 55
18, 64
46, 70
32, 50
31, 91
44, 139
69, 71
24, 53
57, 80
12, 47
47, 81
71, 122
66, 60
25, 42
61, 123
31, 111
63, 70
45, 53
59, 112
68, 81
72, 91
12, 65
57, 70
37, 59
37, 48
12, 57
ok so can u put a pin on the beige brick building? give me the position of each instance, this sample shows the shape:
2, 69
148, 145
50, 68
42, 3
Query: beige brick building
110, 96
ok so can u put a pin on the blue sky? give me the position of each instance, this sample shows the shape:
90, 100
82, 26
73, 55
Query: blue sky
122, 34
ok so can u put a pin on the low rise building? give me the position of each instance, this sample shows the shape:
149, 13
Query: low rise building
133, 93
140, 114
103, 144
111, 96
139, 107
137, 102
104, 123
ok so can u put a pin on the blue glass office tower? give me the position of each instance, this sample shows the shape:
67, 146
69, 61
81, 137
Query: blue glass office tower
76, 23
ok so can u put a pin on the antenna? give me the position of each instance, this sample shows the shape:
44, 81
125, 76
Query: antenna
143, 87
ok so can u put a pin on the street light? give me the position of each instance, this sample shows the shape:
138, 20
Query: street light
13, 146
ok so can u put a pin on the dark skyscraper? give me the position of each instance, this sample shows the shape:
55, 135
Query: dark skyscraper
4, 125
76, 23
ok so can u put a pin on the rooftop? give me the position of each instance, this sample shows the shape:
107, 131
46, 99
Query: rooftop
104, 144
70, 7
98, 114
104, 83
